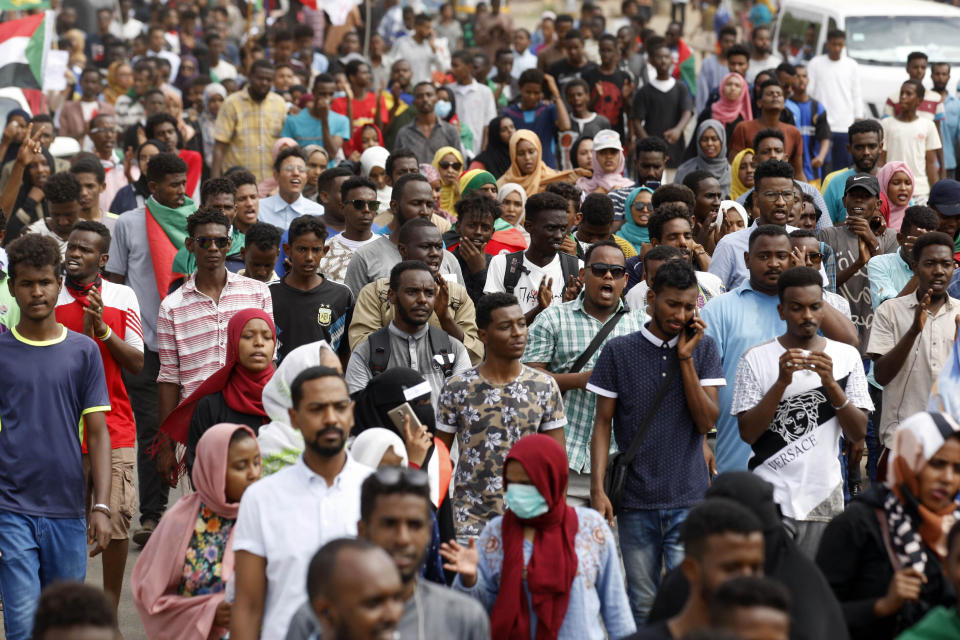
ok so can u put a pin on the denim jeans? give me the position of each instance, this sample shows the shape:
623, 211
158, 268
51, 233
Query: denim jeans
36, 553
649, 538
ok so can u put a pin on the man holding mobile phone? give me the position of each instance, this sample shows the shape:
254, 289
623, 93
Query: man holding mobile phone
658, 384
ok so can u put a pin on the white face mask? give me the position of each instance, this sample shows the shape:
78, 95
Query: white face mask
442, 108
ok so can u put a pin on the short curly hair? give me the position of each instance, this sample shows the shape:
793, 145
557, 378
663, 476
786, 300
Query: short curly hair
206, 215
303, 225
263, 236
61, 188
241, 177
72, 604
157, 119
164, 164
477, 204
216, 187
32, 250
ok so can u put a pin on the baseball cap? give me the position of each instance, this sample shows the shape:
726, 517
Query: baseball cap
945, 197
607, 139
548, 14
863, 181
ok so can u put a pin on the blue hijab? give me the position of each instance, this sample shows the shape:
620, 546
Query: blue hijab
631, 231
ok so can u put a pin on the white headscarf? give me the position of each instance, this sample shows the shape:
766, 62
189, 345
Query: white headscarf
507, 189
372, 444
373, 157
725, 206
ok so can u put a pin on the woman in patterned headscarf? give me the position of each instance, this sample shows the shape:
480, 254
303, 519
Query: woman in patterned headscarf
884, 555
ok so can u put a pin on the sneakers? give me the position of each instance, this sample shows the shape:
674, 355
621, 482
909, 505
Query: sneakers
143, 533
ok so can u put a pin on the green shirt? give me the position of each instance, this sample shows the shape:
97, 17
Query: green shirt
940, 624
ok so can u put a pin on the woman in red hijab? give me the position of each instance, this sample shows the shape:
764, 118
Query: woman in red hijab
544, 570
234, 393
364, 137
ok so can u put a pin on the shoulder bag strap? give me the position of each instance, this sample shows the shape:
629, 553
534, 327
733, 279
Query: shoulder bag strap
631, 452
598, 339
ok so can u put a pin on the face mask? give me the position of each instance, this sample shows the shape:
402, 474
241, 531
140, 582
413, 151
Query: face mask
442, 108
525, 501
339, 94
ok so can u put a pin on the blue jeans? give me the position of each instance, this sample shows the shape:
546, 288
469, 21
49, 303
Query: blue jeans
36, 553
840, 158
649, 538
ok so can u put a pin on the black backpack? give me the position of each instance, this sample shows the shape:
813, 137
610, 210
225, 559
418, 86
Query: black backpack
569, 266
440, 346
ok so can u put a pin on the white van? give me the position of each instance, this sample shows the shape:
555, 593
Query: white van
880, 35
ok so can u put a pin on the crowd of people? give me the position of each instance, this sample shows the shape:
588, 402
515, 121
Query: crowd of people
446, 329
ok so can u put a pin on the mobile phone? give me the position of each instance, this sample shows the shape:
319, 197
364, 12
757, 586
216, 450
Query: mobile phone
690, 329
397, 415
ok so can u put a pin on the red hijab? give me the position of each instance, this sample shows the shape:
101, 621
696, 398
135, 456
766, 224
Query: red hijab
355, 143
553, 564
242, 389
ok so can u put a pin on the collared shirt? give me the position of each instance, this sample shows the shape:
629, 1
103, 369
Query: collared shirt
373, 311
909, 390
284, 519
280, 213
669, 471
475, 108
737, 321
889, 273
557, 337
249, 130
950, 129
192, 328
406, 350
443, 134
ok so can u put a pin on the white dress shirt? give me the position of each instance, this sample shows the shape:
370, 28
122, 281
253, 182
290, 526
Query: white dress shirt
280, 213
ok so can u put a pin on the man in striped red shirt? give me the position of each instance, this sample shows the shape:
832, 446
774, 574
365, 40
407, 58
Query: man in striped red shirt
192, 325
110, 314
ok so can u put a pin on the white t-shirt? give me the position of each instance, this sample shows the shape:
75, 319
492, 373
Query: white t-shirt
353, 245
909, 143
799, 452
530, 277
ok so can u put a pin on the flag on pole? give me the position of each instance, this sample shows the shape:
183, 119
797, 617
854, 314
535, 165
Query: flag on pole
23, 47
685, 69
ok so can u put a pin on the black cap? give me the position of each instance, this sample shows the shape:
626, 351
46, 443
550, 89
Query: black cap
863, 181
945, 197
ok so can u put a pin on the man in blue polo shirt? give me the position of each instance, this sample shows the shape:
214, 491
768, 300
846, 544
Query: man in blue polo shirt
669, 473
52, 381
748, 316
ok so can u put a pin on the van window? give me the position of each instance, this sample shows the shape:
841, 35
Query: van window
887, 40
799, 32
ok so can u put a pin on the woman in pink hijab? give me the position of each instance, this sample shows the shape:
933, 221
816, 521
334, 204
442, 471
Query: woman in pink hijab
896, 190
733, 105
608, 165
179, 580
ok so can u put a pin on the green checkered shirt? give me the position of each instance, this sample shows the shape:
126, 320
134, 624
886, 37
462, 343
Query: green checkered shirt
557, 337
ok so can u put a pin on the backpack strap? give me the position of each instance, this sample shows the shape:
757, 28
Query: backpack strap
379, 357
569, 266
512, 271
442, 349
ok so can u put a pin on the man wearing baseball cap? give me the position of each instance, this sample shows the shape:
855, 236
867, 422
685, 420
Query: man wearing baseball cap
945, 199
857, 239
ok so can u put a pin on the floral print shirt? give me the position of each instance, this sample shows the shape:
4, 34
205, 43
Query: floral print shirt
201, 569
488, 419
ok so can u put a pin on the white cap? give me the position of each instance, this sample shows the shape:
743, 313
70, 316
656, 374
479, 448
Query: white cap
607, 139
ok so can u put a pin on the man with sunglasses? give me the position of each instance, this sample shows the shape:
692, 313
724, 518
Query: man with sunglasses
395, 515
412, 197
290, 170
192, 322
669, 473
855, 241
562, 333
356, 201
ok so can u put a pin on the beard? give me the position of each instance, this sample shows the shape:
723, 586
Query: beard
324, 451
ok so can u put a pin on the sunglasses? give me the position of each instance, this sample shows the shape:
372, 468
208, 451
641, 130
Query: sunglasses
643, 206
205, 242
392, 476
600, 269
456, 166
360, 205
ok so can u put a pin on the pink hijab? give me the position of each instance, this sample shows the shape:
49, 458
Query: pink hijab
884, 176
726, 111
159, 568
606, 181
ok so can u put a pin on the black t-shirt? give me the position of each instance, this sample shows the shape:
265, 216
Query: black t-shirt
211, 410
606, 92
302, 317
655, 631
563, 72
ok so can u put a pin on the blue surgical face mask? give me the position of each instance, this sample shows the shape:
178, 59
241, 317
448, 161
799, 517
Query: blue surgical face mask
442, 108
339, 94
525, 501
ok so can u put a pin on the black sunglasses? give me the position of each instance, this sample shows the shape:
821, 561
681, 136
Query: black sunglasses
391, 476
205, 242
456, 166
600, 269
360, 205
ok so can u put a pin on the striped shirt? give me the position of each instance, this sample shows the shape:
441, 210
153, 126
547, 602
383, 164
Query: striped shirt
249, 129
192, 328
